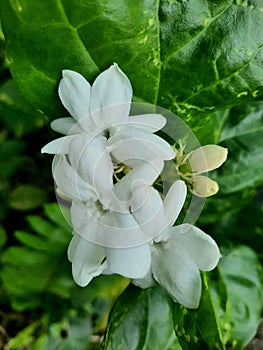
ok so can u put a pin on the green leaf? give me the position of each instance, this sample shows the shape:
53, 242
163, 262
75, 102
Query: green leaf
40, 225
241, 133
31, 240
140, 320
208, 324
58, 214
242, 274
215, 54
200, 328
27, 197
160, 45
52, 230
219, 297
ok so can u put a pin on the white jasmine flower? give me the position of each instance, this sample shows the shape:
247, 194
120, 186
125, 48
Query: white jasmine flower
177, 257
101, 132
191, 166
124, 226
125, 237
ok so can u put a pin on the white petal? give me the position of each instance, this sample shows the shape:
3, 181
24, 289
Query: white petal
111, 88
203, 186
147, 172
132, 262
120, 198
74, 92
158, 145
84, 219
107, 272
178, 274
147, 208
129, 151
58, 146
69, 182
208, 157
110, 229
174, 200
77, 147
132, 143
200, 247
87, 260
70, 126
121, 230
147, 122
62, 195
89, 156
66, 126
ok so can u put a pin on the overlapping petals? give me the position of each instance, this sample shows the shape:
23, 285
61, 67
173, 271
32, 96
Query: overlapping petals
126, 237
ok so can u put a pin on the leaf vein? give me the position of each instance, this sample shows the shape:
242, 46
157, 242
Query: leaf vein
225, 78
167, 59
64, 14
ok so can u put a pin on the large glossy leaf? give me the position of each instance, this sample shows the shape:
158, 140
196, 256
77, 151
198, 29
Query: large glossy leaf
141, 320
182, 55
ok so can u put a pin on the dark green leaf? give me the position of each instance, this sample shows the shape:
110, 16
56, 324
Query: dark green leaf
58, 214
211, 47
31, 240
41, 226
141, 320
183, 55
